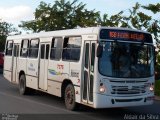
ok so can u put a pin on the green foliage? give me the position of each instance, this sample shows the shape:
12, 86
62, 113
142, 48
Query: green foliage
137, 19
155, 28
112, 21
5, 29
157, 87
154, 8
2, 42
61, 15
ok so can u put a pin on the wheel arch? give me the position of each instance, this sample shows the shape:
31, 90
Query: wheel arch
21, 73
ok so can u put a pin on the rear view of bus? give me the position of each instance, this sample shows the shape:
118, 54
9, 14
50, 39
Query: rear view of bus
124, 73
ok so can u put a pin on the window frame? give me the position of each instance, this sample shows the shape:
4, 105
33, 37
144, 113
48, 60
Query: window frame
10, 48
47, 52
16, 53
22, 44
71, 60
42, 56
29, 54
55, 48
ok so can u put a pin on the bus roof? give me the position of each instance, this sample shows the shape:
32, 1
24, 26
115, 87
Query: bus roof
68, 32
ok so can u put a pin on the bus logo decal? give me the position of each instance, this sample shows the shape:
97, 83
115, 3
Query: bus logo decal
60, 66
74, 73
53, 72
31, 67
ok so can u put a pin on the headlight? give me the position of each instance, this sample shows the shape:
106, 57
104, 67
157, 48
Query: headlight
151, 88
102, 88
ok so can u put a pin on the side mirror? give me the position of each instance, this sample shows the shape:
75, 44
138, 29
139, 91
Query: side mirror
99, 51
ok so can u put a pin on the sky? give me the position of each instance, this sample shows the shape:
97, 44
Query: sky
15, 11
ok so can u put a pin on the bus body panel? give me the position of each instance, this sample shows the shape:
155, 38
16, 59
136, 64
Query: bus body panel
58, 70
54, 88
22, 65
75, 76
8, 67
32, 67
32, 82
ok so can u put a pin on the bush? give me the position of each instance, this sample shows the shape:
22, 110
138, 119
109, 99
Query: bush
157, 67
157, 87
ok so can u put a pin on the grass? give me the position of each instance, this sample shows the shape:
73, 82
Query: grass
157, 87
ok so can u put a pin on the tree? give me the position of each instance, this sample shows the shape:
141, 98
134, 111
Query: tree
154, 8
135, 19
5, 30
61, 15
155, 29
112, 21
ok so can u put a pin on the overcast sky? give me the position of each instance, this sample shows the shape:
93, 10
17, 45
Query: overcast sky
14, 11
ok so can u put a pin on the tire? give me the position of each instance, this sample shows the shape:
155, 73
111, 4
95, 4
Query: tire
23, 90
69, 97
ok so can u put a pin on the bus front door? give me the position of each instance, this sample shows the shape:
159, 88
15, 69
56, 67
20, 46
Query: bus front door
43, 65
88, 75
15, 63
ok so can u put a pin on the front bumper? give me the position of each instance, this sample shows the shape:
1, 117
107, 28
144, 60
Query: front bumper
104, 101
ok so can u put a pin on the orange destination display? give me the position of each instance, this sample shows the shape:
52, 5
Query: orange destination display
125, 35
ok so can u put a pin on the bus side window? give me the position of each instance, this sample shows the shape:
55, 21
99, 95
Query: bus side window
71, 48
92, 57
56, 49
24, 48
47, 51
42, 51
9, 48
33, 49
65, 54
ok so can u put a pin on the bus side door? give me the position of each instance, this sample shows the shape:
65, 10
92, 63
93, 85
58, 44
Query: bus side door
15, 63
88, 69
43, 65
8, 60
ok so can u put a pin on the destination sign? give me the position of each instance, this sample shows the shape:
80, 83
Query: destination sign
125, 35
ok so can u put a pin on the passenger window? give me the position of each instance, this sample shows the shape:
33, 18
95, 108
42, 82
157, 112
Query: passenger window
24, 48
56, 48
9, 48
92, 57
47, 51
42, 51
86, 55
33, 49
71, 48
16, 50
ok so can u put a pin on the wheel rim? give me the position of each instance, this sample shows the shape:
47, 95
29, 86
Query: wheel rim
69, 96
22, 85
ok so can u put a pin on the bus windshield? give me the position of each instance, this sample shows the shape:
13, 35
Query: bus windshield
126, 60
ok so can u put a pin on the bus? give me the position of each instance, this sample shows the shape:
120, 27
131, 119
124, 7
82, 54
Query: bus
100, 67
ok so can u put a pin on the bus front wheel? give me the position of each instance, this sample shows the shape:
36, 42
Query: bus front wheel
69, 97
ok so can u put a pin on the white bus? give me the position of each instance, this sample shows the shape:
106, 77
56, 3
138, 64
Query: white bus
100, 67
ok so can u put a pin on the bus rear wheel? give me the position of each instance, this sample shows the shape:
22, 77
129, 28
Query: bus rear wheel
69, 97
22, 85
